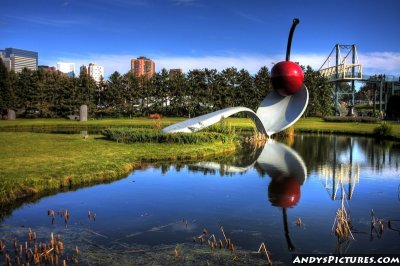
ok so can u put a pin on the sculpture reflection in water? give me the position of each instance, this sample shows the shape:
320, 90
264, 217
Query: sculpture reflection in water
286, 169
288, 172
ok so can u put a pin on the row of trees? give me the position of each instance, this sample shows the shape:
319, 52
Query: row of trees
52, 94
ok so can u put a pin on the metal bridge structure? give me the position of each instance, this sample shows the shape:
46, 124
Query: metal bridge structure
346, 68
343, 65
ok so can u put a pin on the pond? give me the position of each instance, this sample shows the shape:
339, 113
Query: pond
286, 196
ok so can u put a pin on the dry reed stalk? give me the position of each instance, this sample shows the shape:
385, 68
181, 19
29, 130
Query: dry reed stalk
299, 222
60, 246
8, 259
2, 246
342, 224
263, 248
223, 233
176, 252
228, 243
214, 239
377, 225
232, 248
35, 250
30, 234
52, 241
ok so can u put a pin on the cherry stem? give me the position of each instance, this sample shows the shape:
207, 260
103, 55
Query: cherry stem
289, 43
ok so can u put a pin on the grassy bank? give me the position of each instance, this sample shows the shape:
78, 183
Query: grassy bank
38, 125
318, 125
312, 125
37, 163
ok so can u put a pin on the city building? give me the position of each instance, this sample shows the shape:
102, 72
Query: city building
96, 72
175, 71
67, 68
18, 59
143, 66
84, 69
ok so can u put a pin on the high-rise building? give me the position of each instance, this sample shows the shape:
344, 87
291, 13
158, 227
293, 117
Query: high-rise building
67, 68
18, 59
96, 72
143, 66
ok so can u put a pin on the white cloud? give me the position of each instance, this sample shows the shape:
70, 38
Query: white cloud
248, 17
381, 63
373, 63
47, 21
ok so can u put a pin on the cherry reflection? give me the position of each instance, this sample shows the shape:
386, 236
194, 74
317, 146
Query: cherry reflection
288, 172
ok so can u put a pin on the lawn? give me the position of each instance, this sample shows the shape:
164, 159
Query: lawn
318, 125
37, 162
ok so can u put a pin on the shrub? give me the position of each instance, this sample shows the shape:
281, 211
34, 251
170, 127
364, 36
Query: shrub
383, 130
357, 119
132, 135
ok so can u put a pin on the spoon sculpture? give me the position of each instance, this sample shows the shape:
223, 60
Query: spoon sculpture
278, 111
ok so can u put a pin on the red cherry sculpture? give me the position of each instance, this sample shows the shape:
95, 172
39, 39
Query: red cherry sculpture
287, 77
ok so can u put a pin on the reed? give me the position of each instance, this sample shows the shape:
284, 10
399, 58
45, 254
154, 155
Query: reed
299, 222
264, 250
34, 253
342, 224
377, 225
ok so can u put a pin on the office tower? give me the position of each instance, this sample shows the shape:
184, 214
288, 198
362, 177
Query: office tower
143, 66
67, 68
18, 59
96, 72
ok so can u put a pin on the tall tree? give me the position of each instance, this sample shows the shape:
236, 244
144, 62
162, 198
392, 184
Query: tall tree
114, 95
7, 95
262, 86
178, 87
245, 92
228, 87
87, 90
320, 101
27, 91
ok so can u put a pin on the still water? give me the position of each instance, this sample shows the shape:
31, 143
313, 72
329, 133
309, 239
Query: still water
283, 195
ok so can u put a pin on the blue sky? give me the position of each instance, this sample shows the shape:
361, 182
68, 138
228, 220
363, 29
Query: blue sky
202, 33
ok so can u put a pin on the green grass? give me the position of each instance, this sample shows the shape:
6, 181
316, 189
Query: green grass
59, 124
318, 125
36, 162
